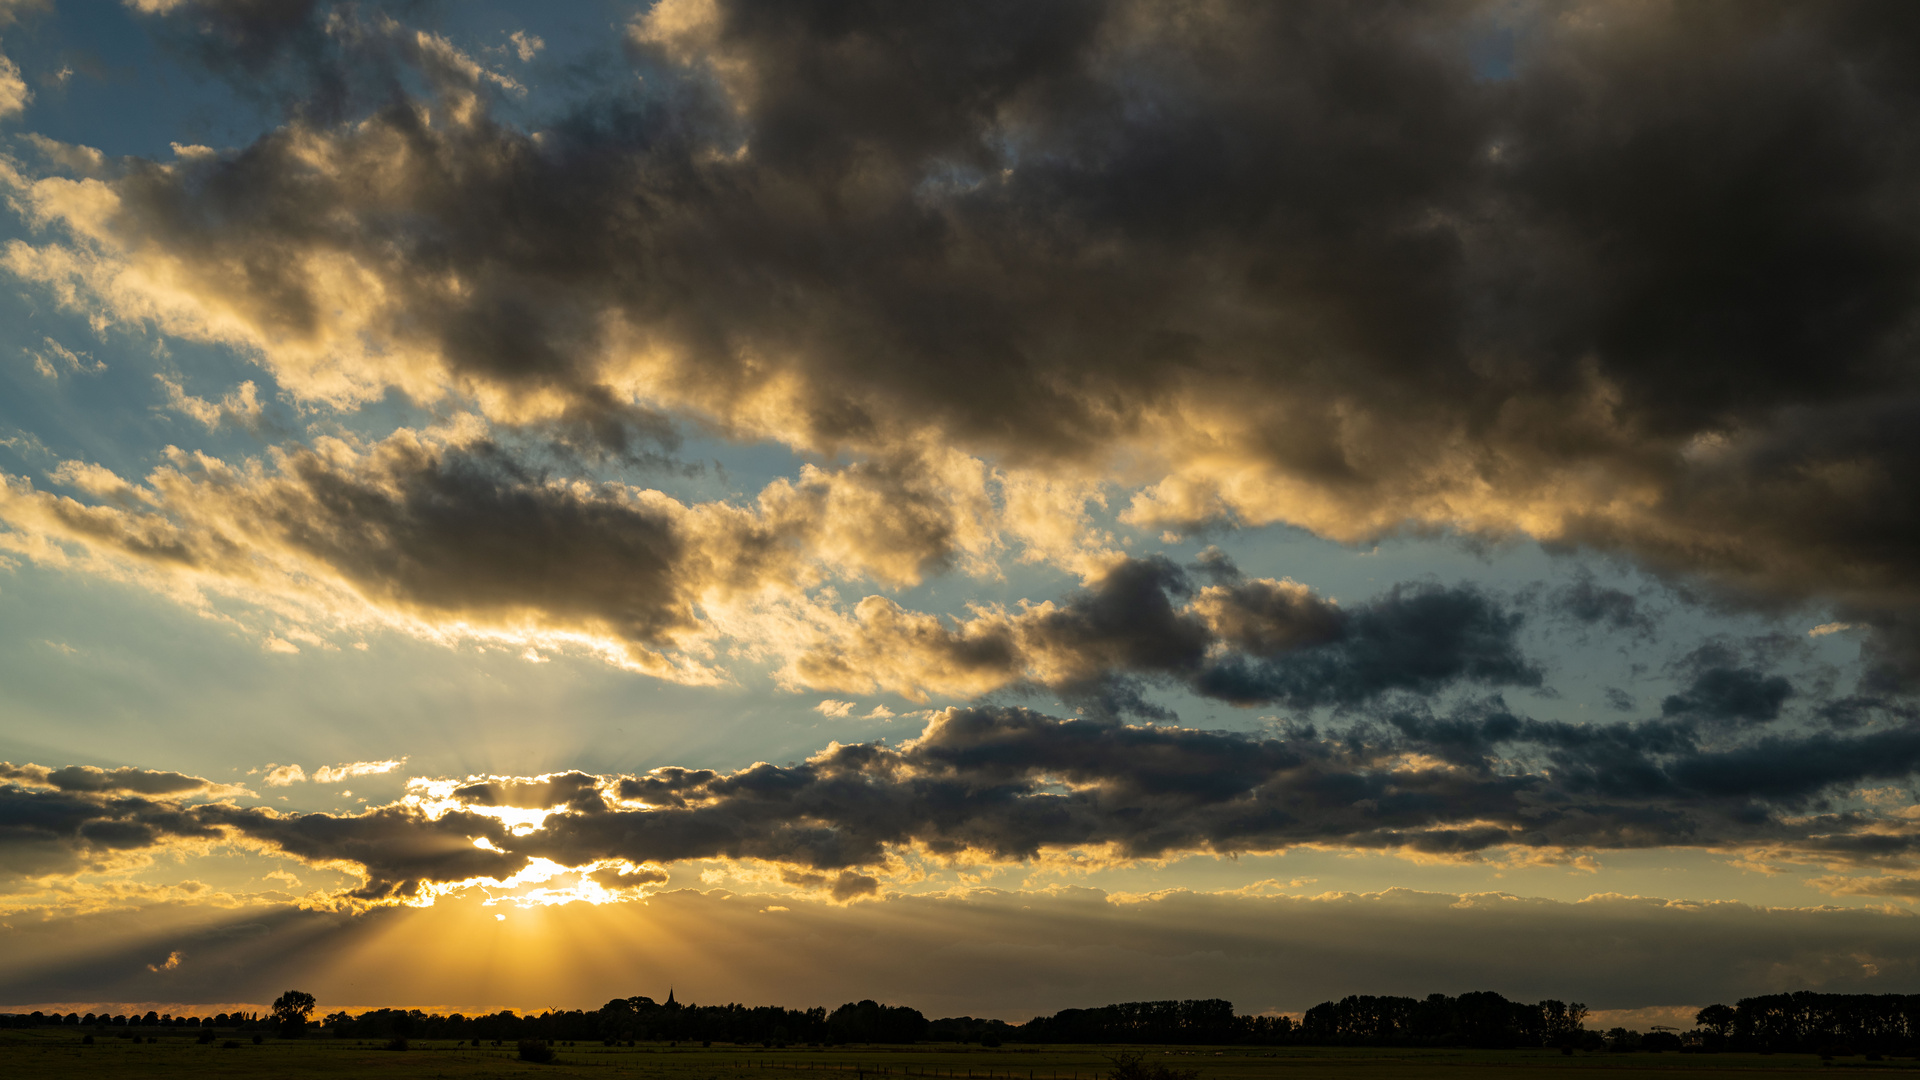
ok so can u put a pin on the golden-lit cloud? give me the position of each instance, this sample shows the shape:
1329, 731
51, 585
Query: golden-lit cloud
470, 545
241, 406
14, 94
333, 774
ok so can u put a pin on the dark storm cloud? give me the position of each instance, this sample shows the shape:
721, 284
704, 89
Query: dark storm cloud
1007, 784
1650, 289
1417, 638
464, 531
1728, 694
572, 789
1244, 640
1592, 604
399, 850
127, 780
74, 829
66, 831
1855, 710
1789, 768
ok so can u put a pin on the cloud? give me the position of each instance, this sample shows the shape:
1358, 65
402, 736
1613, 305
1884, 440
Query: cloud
447, 535
14, 95
1007, 785
284, 775
79, 819
1731, 694
1243, 640
171, 962
1589, 603
55, 356
88, 779
1723, 687
834, 708
333, 774
525, 45
241, 406
315, 61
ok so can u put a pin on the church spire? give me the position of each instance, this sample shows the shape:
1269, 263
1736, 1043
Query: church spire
670, 1003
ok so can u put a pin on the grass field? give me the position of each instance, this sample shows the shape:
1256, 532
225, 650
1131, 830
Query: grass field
49, 1054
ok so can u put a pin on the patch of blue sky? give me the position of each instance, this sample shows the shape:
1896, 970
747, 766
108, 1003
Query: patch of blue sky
100, 78
103, 410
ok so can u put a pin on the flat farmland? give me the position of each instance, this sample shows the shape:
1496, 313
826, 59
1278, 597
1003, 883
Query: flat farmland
58, 1054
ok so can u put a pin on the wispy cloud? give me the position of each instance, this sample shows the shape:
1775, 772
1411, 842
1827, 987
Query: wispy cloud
239, 406
52, 357
333, 774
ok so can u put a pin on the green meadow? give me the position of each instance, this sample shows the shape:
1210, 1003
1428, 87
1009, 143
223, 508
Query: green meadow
52, 1055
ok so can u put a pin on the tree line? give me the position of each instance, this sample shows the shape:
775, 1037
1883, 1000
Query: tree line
1791, 1022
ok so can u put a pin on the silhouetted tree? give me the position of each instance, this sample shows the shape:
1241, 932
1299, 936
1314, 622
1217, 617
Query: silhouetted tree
1560, 1022
1716, 1018
869, 1022
290, 1011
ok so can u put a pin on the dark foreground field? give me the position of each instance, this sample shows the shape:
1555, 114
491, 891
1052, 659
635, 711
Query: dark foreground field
38, 1054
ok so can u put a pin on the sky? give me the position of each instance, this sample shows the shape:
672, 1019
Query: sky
990, 507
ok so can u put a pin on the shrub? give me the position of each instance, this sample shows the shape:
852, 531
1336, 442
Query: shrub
206, 1036
88, 1040
230, 1044
535, 1050
398, 1042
